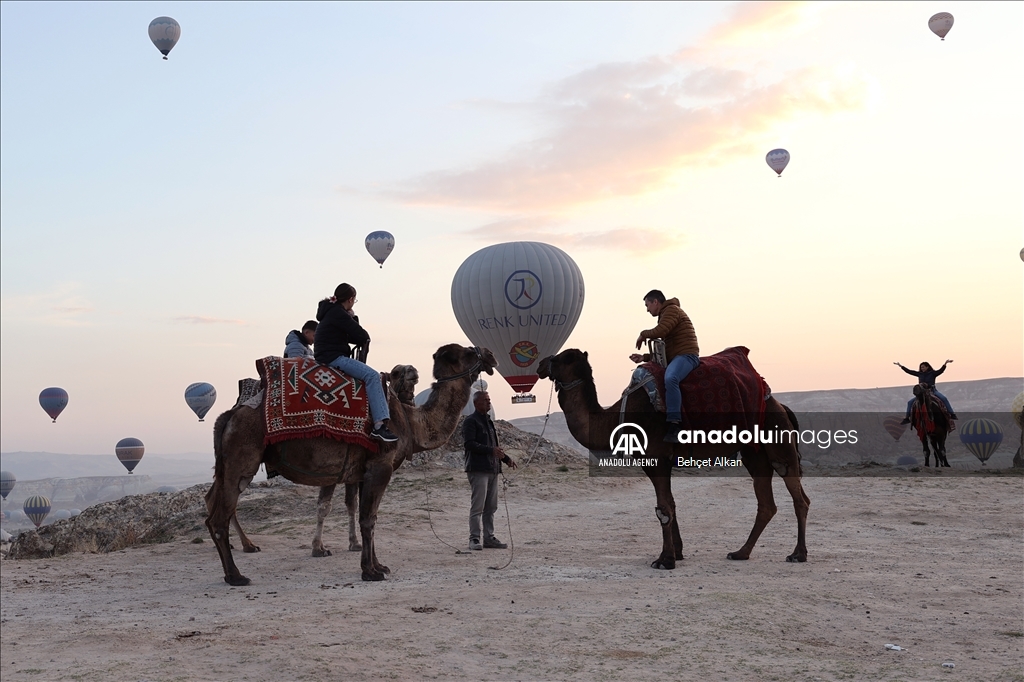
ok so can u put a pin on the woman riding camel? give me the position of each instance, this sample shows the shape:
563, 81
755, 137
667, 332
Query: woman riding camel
927, 375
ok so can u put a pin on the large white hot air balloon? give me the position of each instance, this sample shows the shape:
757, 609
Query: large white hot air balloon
521, 300
164, 32
380, 244
777, 160
940, 24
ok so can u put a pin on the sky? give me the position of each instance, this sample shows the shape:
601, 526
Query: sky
168, 222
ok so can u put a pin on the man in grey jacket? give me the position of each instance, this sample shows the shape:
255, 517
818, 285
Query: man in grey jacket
299, 344
483, 464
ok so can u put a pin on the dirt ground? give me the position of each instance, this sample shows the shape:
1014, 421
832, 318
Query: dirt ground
932, 563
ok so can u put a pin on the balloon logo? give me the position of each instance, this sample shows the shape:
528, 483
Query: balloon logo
53, 401
380, 244
36, 508
982, 437
894, 426
7, 481
777, 160
200, 398
523, 298
940, 24
129, 452
164, 32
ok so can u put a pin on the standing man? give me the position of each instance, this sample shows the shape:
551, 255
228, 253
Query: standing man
483, 464
681, 350
298, 344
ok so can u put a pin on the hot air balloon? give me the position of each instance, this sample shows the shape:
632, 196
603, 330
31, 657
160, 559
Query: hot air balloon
75, 512
380, 244
940, 24
129, 452
200, 397
777, 160
7, 481
982, 437
53, 400
521, 300
164, 32
36, 508
894, 427
1022, 254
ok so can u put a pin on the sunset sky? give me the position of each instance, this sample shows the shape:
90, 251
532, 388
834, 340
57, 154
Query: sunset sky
167, 222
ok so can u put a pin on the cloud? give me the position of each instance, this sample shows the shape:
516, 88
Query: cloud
62, 306
757, 21
636, 241
627, 128
204, 319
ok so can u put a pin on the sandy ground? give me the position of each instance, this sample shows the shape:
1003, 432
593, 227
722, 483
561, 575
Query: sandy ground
932, 563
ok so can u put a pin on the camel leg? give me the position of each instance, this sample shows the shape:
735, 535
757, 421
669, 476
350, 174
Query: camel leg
801, 503
375, 481
247, 545
666, 513
352, 505
323, 508
765, 511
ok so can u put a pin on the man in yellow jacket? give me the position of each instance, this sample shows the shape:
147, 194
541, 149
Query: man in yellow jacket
681, 350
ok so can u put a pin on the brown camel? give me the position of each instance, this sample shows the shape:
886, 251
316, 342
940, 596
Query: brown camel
591, 425
239, 449
928, 415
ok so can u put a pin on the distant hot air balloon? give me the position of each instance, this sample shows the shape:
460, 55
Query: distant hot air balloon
1022, 254
129, 452
380, 244
894, 427
521, 300
777, 160
53, 401
164, 32
75, 512
982, 437
200, 397
7, 481
36, 508
940, 24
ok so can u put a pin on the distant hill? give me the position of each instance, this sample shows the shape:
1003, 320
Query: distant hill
29, 466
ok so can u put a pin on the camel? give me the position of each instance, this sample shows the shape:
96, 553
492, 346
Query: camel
239, 449
591, 425
929, 417
402, 382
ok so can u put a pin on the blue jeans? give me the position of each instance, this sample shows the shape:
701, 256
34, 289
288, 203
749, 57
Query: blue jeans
371, 378
677, 369
944, 399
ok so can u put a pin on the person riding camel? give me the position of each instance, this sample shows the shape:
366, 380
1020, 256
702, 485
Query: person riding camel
337, 332
681, 351
298, 344
927, 375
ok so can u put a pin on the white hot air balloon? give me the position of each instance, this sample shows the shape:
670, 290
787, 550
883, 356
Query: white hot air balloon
164, 32
380, 244
940, 24
777, 160
521, 300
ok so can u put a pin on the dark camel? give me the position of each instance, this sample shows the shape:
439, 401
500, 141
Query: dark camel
928, 415
591, 425
239, 450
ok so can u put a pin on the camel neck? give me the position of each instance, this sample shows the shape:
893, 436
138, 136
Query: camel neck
580, 406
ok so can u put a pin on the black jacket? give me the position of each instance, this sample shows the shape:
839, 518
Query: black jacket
481, 439
927, 377
337, 333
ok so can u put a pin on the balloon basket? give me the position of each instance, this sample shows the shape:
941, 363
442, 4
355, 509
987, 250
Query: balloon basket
521, 398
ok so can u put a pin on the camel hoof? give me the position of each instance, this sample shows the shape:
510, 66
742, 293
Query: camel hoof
384, 569
321, 552
251, 549
373, 577
663, 564
355, 547
796, 558
238, 581
736, 556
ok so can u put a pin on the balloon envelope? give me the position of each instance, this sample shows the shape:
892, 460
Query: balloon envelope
777, 160
7, 481
521, 300
894, 427
380, 244
129, 452
941, 23
36, 508
53, 400
1017, 409
164, 32
982, 437
200, 397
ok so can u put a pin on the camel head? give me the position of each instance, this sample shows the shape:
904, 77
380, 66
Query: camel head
921, 392
566, 367
453, 361
403, 382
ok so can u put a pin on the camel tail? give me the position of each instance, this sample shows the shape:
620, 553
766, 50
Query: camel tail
218, 436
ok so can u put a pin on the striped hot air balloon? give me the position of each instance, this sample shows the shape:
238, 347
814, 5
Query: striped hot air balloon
894, 426
7, 481
36, 508
982, 437
53, 400
129, 452
200, 398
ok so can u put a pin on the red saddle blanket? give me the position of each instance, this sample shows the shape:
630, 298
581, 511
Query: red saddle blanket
303, 399
723, 390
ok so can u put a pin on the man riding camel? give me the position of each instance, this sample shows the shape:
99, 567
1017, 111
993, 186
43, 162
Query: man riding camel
927, 375
681, 351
